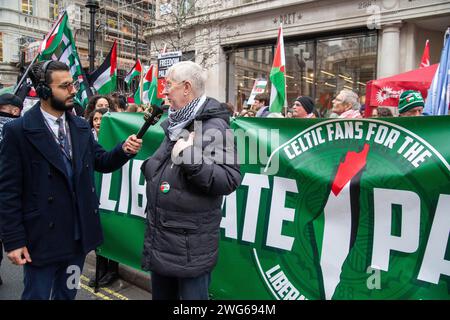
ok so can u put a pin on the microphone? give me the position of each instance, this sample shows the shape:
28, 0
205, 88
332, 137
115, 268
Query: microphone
151, 117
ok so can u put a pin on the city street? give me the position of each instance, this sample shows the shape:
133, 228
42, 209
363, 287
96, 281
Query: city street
120, 290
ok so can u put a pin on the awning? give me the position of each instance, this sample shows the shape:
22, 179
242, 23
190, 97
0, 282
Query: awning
386, 91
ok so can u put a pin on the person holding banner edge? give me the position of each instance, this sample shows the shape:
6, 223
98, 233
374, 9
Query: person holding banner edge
48, 203
185, 188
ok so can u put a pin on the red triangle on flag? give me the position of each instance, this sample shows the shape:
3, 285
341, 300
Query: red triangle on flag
149, 74
138, 66
113, 59
277, 63
425, 62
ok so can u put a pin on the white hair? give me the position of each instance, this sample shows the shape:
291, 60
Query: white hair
189, 71
351, 98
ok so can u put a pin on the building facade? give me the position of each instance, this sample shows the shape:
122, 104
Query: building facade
24, 23
329, 45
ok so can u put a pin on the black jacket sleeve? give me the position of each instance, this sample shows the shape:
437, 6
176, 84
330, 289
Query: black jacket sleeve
109, 161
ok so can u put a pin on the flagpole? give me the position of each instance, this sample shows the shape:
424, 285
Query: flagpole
24, 76
140, 86
151, 96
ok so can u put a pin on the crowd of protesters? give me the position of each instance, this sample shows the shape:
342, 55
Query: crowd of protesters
345, 105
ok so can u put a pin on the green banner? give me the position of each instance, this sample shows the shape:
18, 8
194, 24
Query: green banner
327, 209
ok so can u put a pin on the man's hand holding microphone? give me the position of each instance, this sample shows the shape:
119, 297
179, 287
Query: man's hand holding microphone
134, 142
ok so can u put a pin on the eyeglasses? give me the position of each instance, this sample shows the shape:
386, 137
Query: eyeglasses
170, 85
70, 85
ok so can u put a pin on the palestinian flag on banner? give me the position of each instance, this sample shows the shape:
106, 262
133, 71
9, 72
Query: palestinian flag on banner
135, 71
149, 86
277, 77
104, 79
60, 45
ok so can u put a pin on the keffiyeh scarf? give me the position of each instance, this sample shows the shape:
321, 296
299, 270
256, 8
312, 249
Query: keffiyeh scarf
179, 119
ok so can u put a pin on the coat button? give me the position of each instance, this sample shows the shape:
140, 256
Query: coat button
96, 211
51, 225
49, 174
93, 189
50, 199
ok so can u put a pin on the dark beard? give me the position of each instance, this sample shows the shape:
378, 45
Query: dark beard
59, 105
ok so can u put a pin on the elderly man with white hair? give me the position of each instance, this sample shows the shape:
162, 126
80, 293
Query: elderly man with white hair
346, 105
187, 177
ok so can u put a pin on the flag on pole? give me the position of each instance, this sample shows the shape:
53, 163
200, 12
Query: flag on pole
59, 45
54, 37
135, 71
425, 62
277, 77
149, 89
104, 78
438, 98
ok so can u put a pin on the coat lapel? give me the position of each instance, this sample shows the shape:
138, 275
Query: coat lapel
79, 134
39, 135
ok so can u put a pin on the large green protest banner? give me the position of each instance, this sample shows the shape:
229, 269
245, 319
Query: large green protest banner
327, 209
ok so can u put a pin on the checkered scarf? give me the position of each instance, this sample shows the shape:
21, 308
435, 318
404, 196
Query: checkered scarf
179, 119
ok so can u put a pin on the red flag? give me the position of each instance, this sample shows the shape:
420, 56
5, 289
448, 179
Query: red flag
425, 62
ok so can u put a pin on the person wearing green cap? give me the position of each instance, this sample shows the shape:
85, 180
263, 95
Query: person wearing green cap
410, 104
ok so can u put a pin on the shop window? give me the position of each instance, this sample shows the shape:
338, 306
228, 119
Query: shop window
318, 68
347, 63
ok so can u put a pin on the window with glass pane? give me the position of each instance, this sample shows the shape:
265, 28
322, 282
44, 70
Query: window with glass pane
27, 7
53, 9
246, 70
299, 70
347, 63
318, 68
188, 56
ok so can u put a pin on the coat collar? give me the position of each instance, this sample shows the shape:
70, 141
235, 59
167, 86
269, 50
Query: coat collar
39, 135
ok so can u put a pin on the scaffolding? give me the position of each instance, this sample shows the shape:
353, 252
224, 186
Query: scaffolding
122, 21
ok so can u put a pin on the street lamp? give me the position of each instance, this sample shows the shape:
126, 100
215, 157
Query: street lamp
92, 5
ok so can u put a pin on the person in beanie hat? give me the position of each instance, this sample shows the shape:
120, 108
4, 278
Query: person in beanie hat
11, 104
10, 108
410, 104
303, 107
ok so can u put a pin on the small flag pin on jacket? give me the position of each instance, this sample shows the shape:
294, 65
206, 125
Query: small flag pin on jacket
165, 187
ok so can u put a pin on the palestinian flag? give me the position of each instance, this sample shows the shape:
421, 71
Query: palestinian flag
277, 77
149, 85
104, 79
60, 45
135, 71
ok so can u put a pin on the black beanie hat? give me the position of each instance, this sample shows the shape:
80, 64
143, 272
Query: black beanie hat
307, 103
9, 98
